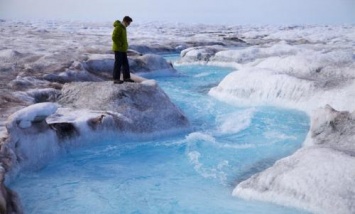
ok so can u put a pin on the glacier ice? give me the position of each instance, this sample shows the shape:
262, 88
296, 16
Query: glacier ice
302, 67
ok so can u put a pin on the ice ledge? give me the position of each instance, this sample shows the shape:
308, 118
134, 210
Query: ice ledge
261, 86
320, 176
315, 179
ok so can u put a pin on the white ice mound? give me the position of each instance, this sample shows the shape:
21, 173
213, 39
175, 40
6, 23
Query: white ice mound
260, 86
30, 139
254, 86
23, 82
334, 129
203, 53
37, 112
319, 177
33, 96
145, 106
150, 63
308, 63
89, 109
102, 64
11, 59
9, 54
255, 52
77, 72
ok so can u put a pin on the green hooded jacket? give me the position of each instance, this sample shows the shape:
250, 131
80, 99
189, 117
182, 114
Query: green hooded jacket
119, 37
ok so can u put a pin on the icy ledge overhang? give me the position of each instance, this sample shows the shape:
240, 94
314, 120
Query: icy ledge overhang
85, 111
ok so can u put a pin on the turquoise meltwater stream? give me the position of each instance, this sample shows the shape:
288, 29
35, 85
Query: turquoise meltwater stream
192, 172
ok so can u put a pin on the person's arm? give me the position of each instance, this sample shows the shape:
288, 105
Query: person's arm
116, 36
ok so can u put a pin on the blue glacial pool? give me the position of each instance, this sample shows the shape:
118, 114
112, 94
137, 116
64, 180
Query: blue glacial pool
191, 172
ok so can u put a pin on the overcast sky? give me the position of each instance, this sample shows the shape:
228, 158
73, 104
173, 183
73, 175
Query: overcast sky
186, 11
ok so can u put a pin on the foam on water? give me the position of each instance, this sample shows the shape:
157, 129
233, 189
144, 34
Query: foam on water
192, 172
235, 122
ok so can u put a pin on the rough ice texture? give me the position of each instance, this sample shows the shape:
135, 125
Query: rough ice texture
36, 133
310, 74
261, 86
25, 117
320, 176
203, 53
36, 60
303, 67
315, 179
335, 129
307, 68
143, 108
102, 64
30, 138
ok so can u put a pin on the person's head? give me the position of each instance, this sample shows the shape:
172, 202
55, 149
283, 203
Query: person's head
127, 21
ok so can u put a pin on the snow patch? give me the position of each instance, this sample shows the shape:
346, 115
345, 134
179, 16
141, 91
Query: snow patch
315, 179
26, 116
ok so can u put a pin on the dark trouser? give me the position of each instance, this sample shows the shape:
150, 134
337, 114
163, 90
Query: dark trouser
121, 60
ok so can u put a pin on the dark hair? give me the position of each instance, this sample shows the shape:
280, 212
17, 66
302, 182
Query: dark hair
127, 19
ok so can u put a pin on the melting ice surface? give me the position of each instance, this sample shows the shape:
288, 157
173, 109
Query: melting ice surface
192, 172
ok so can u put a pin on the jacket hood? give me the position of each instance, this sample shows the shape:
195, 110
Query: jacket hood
117, 23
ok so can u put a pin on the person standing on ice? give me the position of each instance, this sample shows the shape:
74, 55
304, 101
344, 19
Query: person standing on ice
120, 47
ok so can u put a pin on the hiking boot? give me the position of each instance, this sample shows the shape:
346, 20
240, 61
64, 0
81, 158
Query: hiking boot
128, 80
117, 82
